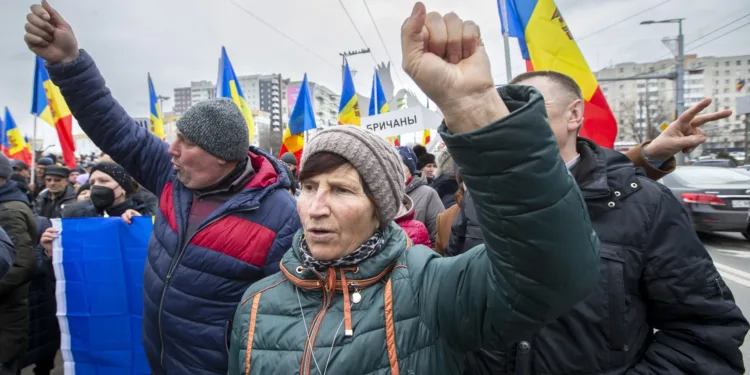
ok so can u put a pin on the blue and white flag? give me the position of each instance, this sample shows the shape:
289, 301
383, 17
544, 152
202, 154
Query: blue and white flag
98, 264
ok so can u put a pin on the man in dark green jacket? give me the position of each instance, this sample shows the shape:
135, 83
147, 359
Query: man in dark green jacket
18, 221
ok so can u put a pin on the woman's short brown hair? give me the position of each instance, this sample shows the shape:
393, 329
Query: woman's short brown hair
325, 162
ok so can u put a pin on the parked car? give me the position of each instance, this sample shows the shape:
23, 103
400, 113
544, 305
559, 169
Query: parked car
723, 163
717, 199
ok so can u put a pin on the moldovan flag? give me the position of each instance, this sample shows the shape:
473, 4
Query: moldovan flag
98, 265
547, 44
49, 105
348, 107
229, 87
14, 144
157, 119
378, 105
301, 119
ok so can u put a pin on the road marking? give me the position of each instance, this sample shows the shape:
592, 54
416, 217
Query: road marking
733, 274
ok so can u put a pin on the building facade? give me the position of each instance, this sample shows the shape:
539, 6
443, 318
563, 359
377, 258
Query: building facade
721, 78
182, 100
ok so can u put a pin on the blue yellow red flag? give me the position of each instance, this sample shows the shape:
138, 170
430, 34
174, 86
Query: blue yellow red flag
49, 105
547, 44
301, 119
378, 103
14, 143
229, 87
349, 106
156, 116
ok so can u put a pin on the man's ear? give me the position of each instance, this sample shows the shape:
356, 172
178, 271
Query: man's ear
575, 115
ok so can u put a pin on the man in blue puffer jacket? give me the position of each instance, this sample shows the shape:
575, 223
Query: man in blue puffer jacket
225, 217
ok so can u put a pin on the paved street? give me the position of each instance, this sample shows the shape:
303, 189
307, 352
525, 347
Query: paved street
731, 254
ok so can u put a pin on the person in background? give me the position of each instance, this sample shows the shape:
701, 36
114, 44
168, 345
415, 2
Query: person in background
445, 179
23, 184
74, 174
425, 163
110, 194
416, 230
7, 253
427, 204
17, 219
444, 220
22, 169
59, 192
83, 192
44, 331
291, 162
39, 168
80, 180
292, 180
661, 306
225, 216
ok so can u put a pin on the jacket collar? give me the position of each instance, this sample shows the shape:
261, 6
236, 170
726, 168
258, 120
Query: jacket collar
417, 181
603, 172
9, 192
369, 272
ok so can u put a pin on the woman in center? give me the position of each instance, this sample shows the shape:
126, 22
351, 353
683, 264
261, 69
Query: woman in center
355, 297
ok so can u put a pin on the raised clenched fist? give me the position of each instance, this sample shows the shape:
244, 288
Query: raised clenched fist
49, 36
445, 56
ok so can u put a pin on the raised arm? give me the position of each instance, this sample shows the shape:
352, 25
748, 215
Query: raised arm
100, 116
541, 254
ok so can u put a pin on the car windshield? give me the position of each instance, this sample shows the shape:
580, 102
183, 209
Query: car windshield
710, 175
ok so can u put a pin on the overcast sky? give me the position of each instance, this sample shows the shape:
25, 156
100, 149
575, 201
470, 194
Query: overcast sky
180, 40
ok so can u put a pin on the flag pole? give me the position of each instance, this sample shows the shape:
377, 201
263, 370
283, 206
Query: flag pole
33, 155
506, 40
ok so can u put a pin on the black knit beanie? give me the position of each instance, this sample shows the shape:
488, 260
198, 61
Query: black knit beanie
117, 173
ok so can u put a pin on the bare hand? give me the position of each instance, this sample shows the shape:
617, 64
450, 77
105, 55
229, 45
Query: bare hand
684, 134
129, 215
446, 58
49, 36
48, 237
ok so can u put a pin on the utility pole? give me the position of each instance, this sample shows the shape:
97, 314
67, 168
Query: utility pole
346, 54
679, 51
747, 126
649, 130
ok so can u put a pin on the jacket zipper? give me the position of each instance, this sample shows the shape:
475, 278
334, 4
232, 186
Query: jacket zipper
173, 267
310, 342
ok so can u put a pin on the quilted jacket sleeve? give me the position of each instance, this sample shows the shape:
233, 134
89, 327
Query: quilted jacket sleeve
700, 328
635, 154
540, 255
7, 253
105, 121
283, 241
19, 224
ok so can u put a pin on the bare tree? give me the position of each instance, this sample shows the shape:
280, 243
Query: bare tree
628, 124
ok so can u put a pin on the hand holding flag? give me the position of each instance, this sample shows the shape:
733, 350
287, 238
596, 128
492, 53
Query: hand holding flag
49, 36
446, 58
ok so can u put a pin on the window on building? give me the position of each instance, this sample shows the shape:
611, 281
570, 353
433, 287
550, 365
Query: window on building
726, 63
739, 62
717, 64
622, 70
622, 87
726, 91
726, 81
727, 72
717, 82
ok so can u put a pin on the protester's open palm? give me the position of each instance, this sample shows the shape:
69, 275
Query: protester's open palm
49, 36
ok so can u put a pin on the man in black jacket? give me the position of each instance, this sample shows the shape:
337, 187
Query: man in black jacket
59, 192
661, 306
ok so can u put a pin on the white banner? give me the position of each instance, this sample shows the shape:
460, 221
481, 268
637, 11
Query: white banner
410, 120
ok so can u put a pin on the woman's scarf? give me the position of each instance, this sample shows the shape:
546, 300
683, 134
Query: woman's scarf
369, 248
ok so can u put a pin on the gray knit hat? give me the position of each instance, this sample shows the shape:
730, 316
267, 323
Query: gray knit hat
374, 159
218, 127
5, 169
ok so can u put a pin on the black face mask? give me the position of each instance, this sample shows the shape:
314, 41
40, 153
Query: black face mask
102, 197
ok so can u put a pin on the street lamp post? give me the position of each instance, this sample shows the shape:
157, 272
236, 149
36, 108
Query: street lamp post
679, 100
